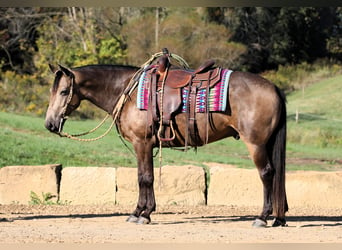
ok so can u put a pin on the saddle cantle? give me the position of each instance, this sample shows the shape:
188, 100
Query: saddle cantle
166, 91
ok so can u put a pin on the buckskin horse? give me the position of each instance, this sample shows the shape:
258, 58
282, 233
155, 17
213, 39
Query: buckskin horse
255, 112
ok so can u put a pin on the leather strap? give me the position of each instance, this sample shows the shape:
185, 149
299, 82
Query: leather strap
192, 115
154, 93
207, 111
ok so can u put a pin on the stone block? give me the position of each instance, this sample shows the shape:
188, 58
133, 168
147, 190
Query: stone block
181, 185
233, 186
314, 189
17, 182
127, 186
88, 185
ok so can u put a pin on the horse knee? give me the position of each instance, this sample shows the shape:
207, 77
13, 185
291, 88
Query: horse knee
145, 180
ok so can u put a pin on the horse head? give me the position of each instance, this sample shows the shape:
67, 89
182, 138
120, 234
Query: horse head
64, 98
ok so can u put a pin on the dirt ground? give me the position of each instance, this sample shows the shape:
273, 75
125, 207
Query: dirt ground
170, 224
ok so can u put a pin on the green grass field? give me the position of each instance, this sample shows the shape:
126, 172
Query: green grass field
314, 142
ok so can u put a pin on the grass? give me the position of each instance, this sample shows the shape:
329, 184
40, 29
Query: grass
25, 141
317, 134
319, 114
314, 143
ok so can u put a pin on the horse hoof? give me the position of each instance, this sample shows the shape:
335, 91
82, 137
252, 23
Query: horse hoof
132, 218
259, 223
143, 220
279, 222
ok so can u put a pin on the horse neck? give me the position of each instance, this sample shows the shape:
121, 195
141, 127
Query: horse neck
103, 87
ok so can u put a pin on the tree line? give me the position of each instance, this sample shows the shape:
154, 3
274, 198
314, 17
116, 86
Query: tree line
263, 37
253, 39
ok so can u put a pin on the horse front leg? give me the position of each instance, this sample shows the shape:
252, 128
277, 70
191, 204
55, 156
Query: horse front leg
146, 201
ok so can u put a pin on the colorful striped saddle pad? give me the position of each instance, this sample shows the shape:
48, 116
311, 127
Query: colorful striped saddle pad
216, 100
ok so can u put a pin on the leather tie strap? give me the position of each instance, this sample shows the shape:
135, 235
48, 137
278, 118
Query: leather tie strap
154, 98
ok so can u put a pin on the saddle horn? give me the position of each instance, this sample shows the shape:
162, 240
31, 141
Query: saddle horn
163, 61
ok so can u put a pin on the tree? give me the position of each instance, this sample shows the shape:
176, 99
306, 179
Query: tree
278, 36
186, 34
18, 36
80, 36
33, 37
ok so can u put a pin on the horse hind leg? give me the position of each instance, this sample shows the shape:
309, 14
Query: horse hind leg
266, 173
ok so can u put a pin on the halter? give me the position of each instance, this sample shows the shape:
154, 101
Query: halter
63, 118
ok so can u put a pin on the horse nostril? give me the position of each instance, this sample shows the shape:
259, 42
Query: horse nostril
49, 126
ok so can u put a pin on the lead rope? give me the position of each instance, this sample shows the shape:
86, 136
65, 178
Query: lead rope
88, 132
75, 136
115, 115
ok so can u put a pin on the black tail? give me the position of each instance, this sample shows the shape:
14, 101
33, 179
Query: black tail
277, 150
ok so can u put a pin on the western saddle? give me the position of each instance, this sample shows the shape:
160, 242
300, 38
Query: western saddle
166, 85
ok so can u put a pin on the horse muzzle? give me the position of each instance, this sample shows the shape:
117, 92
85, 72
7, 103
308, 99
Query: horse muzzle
55, 126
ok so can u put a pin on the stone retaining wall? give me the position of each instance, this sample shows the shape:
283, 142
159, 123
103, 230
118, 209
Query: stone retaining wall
179, 185
88, 185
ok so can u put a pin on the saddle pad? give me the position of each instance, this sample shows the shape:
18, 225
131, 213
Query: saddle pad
142, 97
217, 95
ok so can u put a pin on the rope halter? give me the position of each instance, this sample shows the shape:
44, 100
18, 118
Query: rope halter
69, 98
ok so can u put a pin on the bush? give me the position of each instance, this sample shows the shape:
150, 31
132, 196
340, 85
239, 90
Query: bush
23, 93
294, 77
187, 35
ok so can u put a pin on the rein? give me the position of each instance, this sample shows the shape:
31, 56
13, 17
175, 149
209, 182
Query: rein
133, 83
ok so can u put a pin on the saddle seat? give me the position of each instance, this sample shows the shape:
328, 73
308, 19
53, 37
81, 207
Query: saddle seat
203, 76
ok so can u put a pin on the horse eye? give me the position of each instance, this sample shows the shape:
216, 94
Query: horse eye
65, 92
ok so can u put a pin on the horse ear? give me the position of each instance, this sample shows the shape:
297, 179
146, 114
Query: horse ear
65, 70
52, 68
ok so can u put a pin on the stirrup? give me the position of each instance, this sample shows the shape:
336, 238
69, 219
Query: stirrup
167, 139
